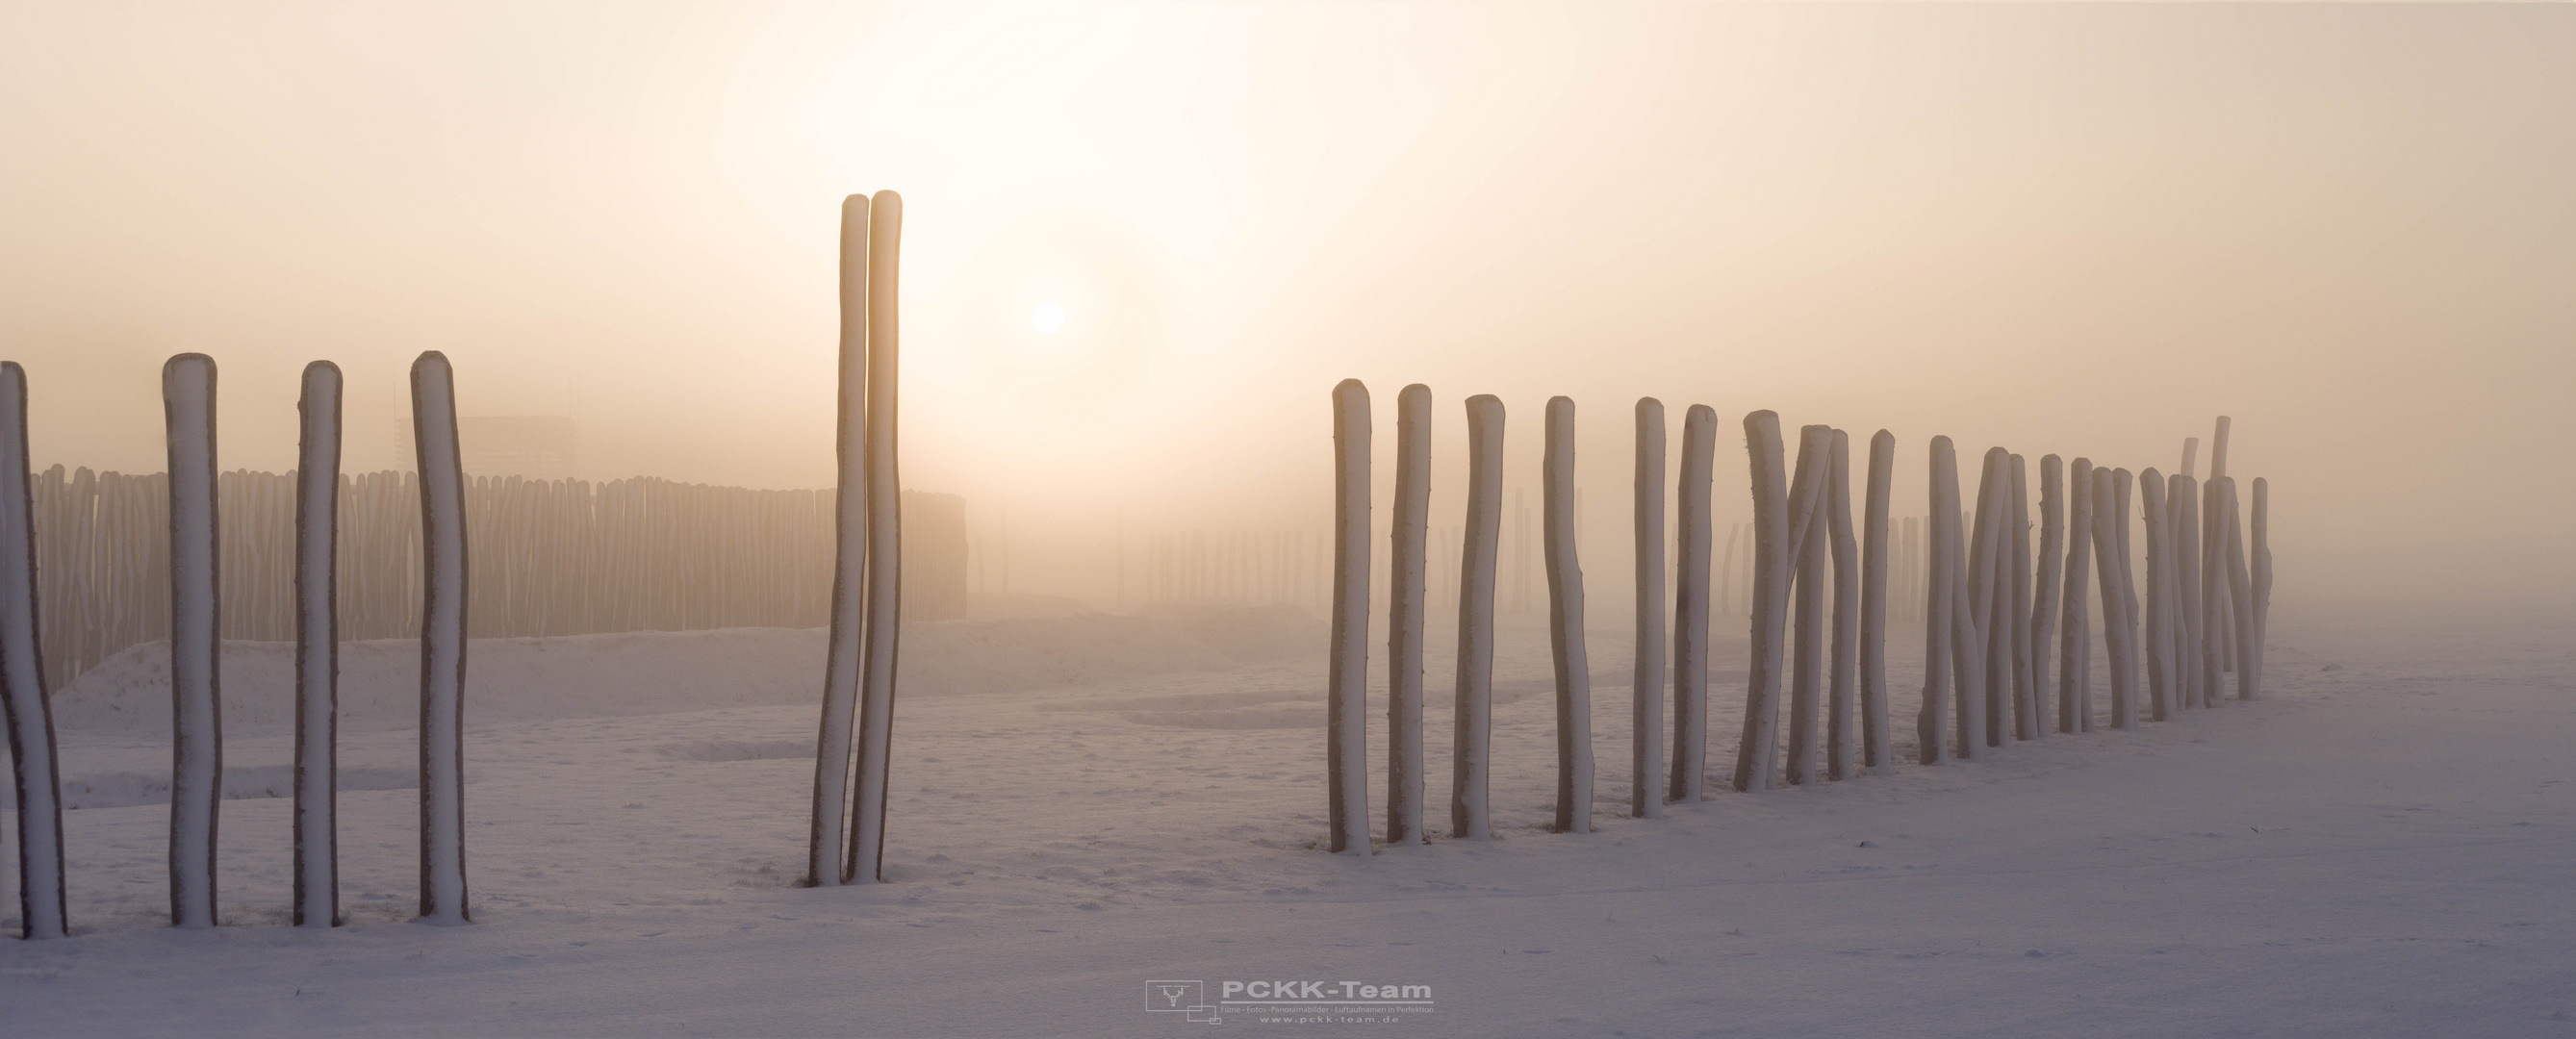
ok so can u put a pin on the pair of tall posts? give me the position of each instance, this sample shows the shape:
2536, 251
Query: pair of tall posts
197, 752
1791, 553
867, 578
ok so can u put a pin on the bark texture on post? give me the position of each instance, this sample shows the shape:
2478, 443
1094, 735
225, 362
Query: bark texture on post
1565, 625
1346, 712
1408, 551
42, 908
827, 832
1646, 714
2075, 649
1471, 760
1878, 750
196, 597
317, 650
1691, 605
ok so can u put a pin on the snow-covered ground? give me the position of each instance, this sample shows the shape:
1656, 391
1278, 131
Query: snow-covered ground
2385, 846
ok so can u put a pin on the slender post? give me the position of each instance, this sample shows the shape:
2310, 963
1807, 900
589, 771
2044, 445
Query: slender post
1768, 613
1346, 714
2217, 541
884, 592
2183, 503
1565, 625
2160, 690
1471, 763
824, 862
442, 642
1931, 723
1693, 537
42, 910
2025, 679
1878, 748
2075, 651
2190, 453
2107, 514
196, 694
1807, 642
2240, 585
1985, 711
2044, 602
317, 651
1842, 730
2262, 576
1408, 556
1646, 707
2213, 593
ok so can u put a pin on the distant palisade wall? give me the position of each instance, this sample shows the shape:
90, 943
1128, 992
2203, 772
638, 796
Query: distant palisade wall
549, 557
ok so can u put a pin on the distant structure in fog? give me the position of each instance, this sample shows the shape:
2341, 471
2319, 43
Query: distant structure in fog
536, 447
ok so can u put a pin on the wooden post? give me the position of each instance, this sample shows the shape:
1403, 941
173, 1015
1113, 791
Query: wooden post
825, 864
1691, 604
2160, 690
196, 554
1842, 729
1646, 704
1407, 551
1768, 613
1984, 713
1930, 725
1346, 714
42, 908
2075, 650
2045, 601
1471, 763
2025, 680
2262, 576
442, 642
317, 651
1565, 625
1878, 748
884, 592
2107, 514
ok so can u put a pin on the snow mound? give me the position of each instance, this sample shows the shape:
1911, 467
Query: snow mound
656, 672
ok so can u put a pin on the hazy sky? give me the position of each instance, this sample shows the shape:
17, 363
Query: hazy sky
2074, 229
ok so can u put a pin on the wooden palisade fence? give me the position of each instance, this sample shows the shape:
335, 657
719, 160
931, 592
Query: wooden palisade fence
553, 557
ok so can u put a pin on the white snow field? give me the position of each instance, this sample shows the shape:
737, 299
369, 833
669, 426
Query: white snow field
2385, 846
